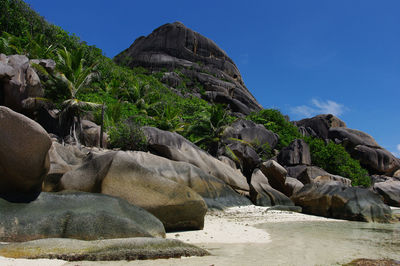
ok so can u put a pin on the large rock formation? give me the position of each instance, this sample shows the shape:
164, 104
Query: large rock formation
262, 194
364, 148
312, 174
75, 215
360, 145
337, 201
243, 141
174, 46
215, 192
175, 147
18, 81
389, 190
248, 131
275, 173
120, 174
24, 160
63, 158
318, 126
296, 153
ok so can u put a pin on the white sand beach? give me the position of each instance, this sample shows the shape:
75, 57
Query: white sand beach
235, 225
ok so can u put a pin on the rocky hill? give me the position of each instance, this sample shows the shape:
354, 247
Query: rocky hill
212, 74
175, 152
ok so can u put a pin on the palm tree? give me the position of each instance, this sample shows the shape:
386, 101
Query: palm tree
75, 76
208, 129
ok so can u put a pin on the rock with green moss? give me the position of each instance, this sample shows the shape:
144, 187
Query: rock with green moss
76, 215
104, 250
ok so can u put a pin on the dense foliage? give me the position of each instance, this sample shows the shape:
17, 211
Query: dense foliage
273, 120
136, 97
330, 156
335, 159
127, 94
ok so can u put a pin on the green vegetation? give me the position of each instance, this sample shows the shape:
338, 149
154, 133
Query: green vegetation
207, 130
93, 78
273, 120
127, 136
135, 97
335, 159
331, 157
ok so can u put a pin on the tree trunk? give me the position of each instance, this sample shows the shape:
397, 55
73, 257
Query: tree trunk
102, 126
81, 134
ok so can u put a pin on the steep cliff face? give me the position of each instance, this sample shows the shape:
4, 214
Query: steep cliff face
212, 75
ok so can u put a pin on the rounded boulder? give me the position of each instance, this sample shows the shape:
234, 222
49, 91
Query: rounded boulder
24, 159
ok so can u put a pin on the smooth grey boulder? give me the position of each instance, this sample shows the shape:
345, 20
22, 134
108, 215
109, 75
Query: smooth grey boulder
292, 186
389, 190
120, 249
76, 215
119, 174
227, 161
24, 160
175, 147
376, 160
174, 46
351, 138
340, 202
215, 192
365, 149
63, 158
275, 173
245, 155
242, 140
318, 126
296, 153
262, 194
250, 132
307, 174
18, 81
91, 134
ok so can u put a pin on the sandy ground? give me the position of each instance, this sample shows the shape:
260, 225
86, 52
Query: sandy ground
233, 226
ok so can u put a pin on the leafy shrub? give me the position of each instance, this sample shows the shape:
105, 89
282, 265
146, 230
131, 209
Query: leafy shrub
207, 126
336, 160
273, 120
127, 136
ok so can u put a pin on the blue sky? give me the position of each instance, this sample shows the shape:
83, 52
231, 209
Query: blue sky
302, 57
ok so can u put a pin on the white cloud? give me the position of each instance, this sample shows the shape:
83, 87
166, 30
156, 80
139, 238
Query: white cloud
303, 110
319, 107
397, 152
329, 107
